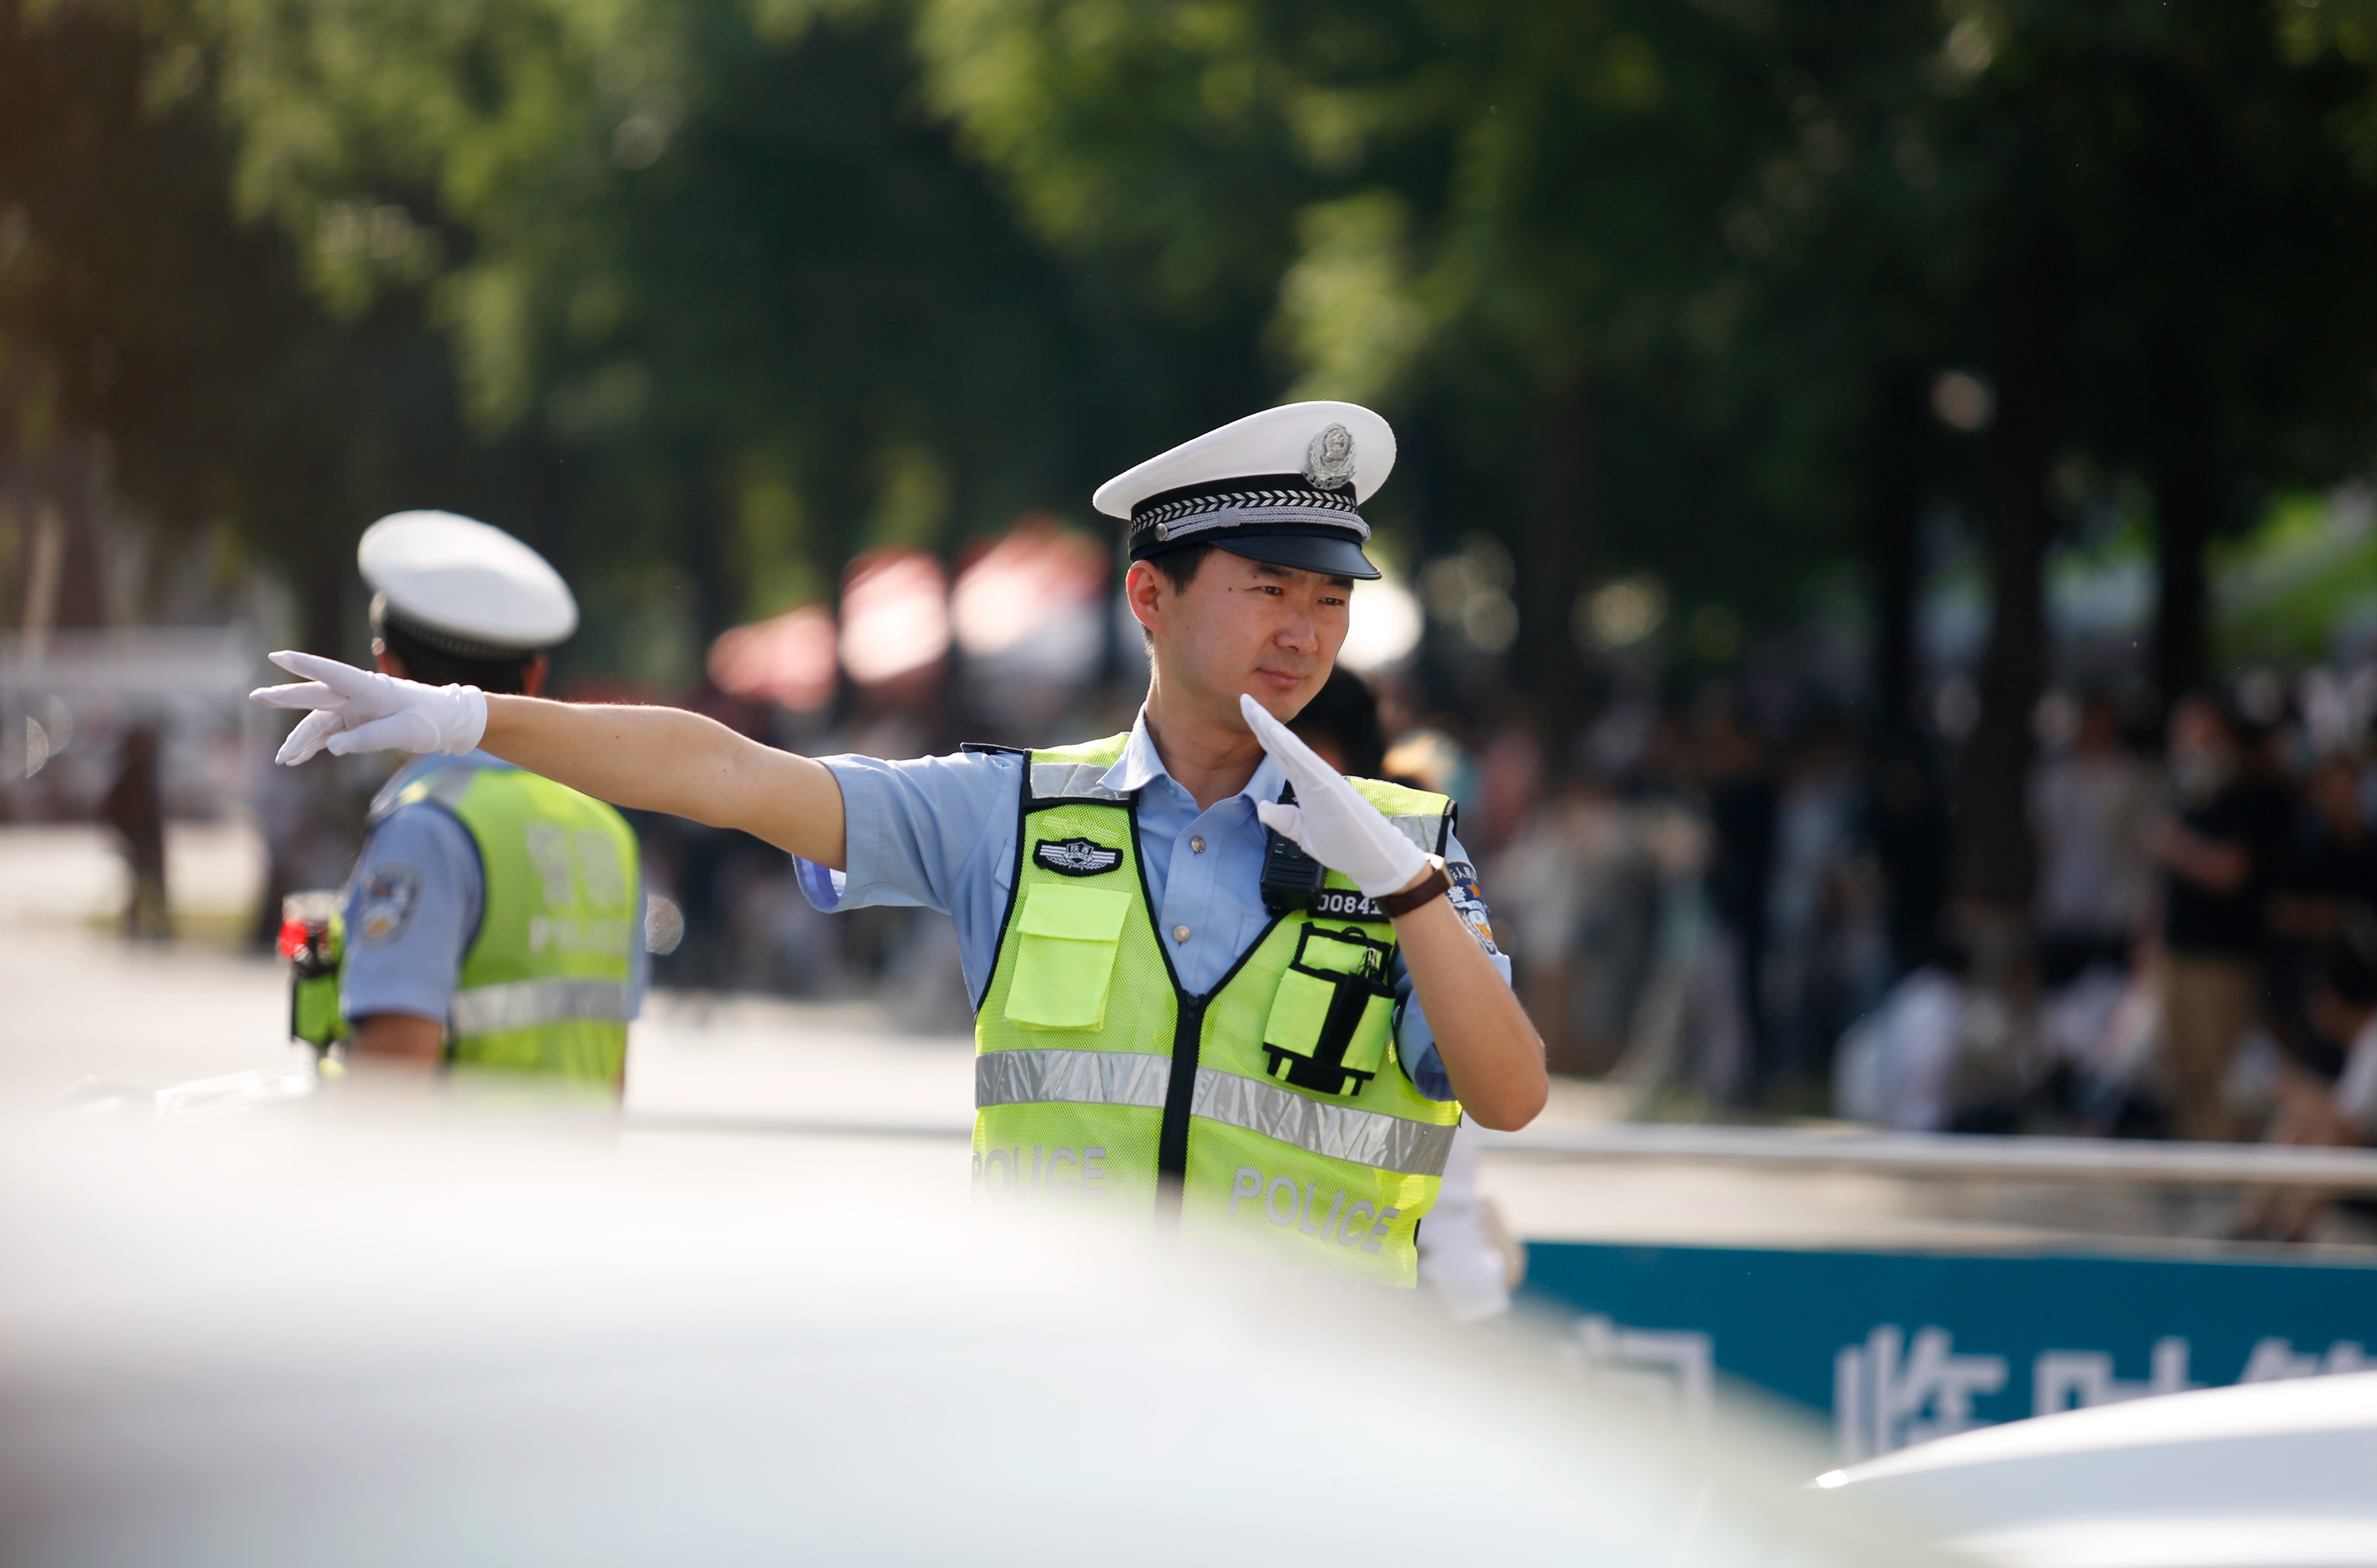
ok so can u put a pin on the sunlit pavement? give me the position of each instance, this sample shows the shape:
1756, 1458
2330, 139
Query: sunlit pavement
77, 1002
752, 1079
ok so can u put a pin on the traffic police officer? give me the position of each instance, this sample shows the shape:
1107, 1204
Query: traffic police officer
1178, 1011
493, 919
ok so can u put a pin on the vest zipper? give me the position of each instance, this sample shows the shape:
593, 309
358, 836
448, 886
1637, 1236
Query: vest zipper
1180, 1093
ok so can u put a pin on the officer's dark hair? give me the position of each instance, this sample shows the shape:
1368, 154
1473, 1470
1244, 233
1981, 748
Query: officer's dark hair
1180, 567
428, 662
1344, 712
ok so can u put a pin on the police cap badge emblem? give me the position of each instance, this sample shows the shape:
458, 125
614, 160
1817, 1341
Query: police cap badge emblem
1329, 460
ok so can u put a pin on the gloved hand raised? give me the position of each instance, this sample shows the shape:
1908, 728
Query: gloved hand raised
360, 711
1329, 819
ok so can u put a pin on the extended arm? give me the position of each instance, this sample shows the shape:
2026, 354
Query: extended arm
650, 759
668, 759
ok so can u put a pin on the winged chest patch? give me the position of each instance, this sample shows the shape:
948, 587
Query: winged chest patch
1076, 857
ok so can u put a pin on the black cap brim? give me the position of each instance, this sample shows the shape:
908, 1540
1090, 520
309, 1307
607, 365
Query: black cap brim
1329, 554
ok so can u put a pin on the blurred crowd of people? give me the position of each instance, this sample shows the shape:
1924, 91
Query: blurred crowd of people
2202, 963
1763, 916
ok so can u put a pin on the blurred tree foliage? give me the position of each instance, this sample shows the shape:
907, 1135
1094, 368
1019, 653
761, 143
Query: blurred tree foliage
134, 303
702, 295
1503, 224
714, 262
1676, 279
699, 299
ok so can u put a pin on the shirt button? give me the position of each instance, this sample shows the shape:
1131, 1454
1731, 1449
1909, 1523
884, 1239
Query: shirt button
1195, 846
1179, 933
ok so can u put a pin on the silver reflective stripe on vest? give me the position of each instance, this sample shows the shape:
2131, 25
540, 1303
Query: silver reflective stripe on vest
1073, 780
1085, 1078
1341, 1133
524, 1004
1421, 831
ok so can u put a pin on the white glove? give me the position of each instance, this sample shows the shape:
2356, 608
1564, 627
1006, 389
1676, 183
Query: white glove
359, 711
1329, 819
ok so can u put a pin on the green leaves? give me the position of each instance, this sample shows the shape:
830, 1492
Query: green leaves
1628, 271
475, 148
1349, 306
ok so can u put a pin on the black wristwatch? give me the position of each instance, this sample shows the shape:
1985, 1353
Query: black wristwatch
1436, 884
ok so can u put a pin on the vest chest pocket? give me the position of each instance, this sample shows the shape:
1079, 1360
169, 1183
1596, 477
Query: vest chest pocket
1066, 940
1333, 1014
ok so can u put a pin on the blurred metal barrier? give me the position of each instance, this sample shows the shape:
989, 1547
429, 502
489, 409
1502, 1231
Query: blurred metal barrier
2101, 1161
2025, 1157
2020, 1158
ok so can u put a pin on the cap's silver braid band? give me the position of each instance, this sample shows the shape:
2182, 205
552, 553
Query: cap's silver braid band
383, 614
1236, 500
1200, 514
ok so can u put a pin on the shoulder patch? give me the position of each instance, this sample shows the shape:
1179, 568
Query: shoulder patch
1469, 903
1077, 857
390, 893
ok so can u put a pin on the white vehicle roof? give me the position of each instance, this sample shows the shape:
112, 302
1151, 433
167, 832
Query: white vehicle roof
2270, 1475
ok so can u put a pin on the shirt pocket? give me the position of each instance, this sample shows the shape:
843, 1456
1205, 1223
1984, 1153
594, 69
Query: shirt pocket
1067, 939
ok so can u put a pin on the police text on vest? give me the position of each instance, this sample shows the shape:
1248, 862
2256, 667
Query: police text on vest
1342, 1223
1081, 1171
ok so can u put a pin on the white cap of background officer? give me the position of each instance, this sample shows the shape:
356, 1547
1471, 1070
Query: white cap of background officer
1280, 487
463, 588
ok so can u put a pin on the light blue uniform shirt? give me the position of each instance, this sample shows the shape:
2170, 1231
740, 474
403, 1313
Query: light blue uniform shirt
415, 903
940, 833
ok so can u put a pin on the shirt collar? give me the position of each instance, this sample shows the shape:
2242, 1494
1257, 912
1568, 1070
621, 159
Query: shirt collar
429, 765
1140, 766
437, 761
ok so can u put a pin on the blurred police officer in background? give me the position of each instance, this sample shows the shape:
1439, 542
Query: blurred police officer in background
495, 917
1216, 982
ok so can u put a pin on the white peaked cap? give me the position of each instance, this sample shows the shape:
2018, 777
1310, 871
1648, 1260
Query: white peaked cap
1282, 485
453, 575
1276, 441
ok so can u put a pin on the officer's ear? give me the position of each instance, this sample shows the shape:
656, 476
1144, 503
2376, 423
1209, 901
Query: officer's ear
532, 677
385, 662
1143, 588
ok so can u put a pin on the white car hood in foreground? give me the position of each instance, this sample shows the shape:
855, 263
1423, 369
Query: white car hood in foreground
313, 1338
2272, 1475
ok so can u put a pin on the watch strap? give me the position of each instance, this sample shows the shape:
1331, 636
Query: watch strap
1436, 884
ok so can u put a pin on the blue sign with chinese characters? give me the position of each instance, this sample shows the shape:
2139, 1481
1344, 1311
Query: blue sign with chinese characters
1902, 1346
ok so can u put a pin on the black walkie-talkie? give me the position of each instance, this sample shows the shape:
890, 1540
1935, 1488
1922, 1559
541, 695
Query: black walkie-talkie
1290, 877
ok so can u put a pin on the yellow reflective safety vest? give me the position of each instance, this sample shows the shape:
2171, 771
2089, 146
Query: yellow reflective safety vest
547, 983
1271, 1114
